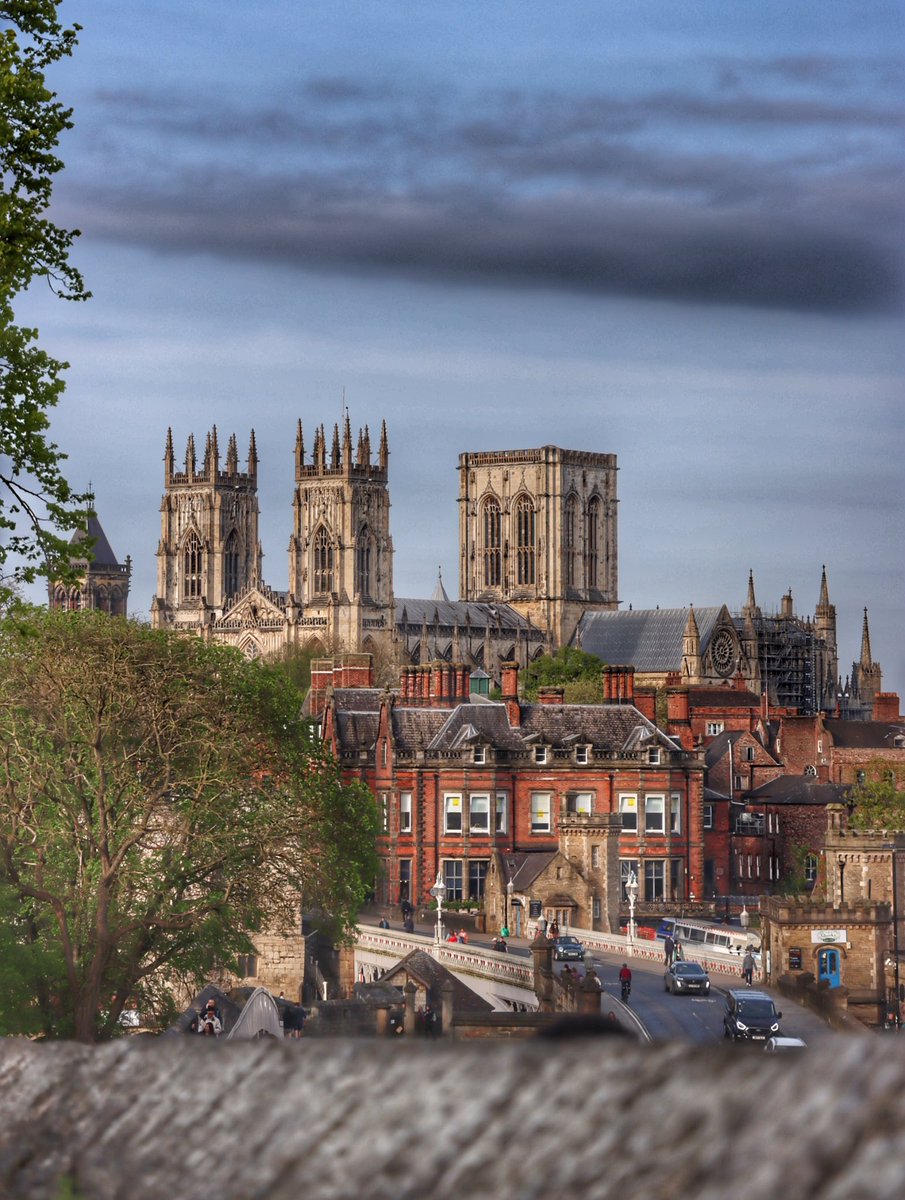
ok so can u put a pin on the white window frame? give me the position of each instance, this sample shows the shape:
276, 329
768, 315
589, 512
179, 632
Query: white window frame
452, 806
655, 806
714, 728
583, 803
675, 812
482, 801
540, 755
653, 756
479, 755
709, 812
502, 808
581, 755
405, 812
628, 807
595, 910
541, 812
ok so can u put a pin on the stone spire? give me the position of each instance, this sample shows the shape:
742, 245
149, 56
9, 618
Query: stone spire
190, 456
691, 649
334, 451
866, 660
232, 456
169, 462
252, 456
750, 608
384, 447
299, 448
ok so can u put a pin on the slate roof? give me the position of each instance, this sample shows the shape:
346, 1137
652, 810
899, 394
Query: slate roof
488, 723
606, 726
449, 613
432, 975
356, 730
798, 789
357, 699
648, 639
525, 867
102, 552
722, 697
864, 735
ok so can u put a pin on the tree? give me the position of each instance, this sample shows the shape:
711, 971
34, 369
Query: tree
36, 502
878, 801
575, 670
161, 800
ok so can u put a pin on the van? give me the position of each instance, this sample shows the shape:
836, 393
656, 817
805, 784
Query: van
750, 1016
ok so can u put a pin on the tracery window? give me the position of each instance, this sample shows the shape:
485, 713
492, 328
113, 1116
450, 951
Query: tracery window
323, 561
363, 562
493, 544
192, 567
570, 541
525, 540
592, 561
231, 565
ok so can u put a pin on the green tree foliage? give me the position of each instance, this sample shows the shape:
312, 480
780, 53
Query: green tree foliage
879, 802
36, 502
576, 670
161, 800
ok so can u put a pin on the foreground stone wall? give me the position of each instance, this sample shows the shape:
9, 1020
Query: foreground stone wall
594, 1117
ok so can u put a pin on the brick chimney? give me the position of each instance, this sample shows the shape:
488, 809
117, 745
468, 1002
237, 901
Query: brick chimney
510, 693
886, 707
677, 706
646, 703
551, 695
618, 685
321, 680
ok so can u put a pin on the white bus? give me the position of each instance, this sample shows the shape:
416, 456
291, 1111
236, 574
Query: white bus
702, 933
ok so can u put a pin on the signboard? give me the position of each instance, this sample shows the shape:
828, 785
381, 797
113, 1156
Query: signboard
535, 908
794, 958
822, 937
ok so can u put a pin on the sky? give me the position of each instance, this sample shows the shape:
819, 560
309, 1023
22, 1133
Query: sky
672, 232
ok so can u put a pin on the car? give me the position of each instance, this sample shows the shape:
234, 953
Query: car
750, 1016
566, 946
686, 977
779, 1045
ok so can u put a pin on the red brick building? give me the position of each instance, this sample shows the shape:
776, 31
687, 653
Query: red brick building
459, 781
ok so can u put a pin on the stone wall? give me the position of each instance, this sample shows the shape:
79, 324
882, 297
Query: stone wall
402, 1120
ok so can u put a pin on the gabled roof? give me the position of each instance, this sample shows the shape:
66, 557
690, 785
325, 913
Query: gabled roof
487, 723
864, 735
432, 975
356, 730
798, 789
648, 639
449, 613
525, 867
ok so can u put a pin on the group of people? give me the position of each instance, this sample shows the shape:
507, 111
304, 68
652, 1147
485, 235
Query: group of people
672, 950
209, 1022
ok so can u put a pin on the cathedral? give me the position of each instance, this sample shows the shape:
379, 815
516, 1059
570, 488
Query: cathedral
538, 569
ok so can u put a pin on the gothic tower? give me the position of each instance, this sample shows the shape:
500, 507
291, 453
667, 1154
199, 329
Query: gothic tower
691, 650
103, 582
340, 552
827, 663
537, 530
867, 678
209, 549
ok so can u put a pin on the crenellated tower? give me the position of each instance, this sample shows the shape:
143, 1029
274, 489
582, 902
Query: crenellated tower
341, 552
209, 549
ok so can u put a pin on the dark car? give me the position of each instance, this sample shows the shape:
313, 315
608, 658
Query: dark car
567, 947
750, 1016
688, 977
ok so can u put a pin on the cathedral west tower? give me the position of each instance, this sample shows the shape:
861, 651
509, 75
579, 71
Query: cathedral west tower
341, 552
537, 531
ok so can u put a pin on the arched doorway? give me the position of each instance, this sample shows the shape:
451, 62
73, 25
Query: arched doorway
829, 966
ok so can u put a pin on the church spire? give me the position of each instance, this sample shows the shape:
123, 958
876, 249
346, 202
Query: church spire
691, 649
367, 447
824, 601
232, 456
190, 457
347, 443
750, 608
866, 660
334, 453
252, 456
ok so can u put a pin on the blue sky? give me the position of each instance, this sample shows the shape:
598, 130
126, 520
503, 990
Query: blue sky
670, 232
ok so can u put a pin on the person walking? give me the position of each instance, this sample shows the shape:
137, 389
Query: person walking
748, 967
669, 949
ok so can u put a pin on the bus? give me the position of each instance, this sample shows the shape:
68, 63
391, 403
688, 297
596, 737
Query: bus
702, 933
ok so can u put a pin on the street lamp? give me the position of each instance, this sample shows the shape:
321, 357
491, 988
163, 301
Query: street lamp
438, 891
631, 891
891, 847
510, 888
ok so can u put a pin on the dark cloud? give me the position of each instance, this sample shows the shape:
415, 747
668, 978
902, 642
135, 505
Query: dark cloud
590, 192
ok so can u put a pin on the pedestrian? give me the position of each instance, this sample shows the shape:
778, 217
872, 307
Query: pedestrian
463, 937
383, 923
678, 953
504, 932
669, 948
408, 924
554, 929
748, 967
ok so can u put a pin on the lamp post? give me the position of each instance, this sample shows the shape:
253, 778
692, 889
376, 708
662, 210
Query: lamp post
438, 891
510, 888
895, 935
631, 891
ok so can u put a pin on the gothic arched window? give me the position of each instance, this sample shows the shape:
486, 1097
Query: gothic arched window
231, 565
60, 599
117, 608
525, 540
570, 541
75, 600
323, 561
493, 544
363, 549
192, 567
592, 561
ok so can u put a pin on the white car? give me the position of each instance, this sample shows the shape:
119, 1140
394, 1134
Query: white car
779, 1045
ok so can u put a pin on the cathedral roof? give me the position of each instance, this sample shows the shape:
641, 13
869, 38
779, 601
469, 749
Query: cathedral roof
649, 639
450, 613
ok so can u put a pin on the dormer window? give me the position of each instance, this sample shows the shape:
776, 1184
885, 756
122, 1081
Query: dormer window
480, 755
540, 755
653, 755
581, 754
